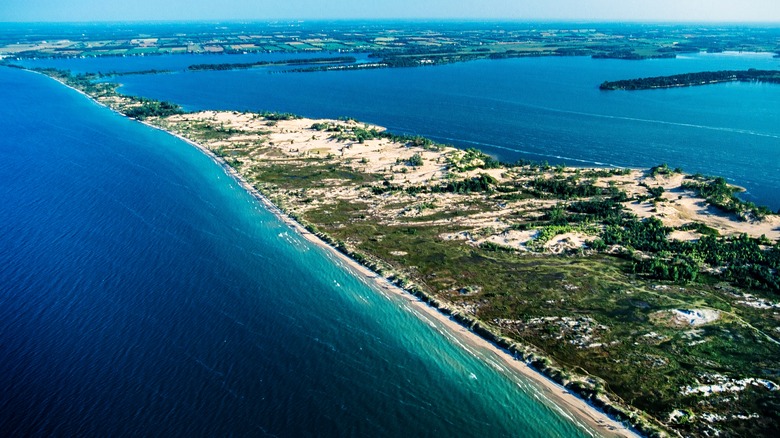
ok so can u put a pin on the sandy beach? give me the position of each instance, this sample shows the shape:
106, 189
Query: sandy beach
588, 415
570, 402
557, 394
240, 142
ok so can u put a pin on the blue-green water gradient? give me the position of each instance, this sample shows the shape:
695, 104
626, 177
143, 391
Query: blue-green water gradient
144, 293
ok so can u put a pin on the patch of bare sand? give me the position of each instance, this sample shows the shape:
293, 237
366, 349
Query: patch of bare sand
514, 238
686, 317
684, 236
567, 242
678, 207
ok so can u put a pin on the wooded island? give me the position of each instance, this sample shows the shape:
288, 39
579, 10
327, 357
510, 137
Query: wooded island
693, 79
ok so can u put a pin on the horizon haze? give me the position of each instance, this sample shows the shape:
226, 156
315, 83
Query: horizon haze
727, 11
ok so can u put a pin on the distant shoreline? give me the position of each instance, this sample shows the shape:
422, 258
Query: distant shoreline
396, 43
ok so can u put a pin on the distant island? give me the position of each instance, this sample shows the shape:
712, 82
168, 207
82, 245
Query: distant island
285, 62
694, 79
651, 293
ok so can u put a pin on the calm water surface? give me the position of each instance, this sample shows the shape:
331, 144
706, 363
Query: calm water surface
537, 108
143, 293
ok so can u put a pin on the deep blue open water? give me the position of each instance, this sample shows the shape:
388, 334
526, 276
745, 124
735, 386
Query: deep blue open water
144, 293
537, 108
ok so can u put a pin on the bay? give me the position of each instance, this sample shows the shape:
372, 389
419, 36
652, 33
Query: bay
544, 109
143, 292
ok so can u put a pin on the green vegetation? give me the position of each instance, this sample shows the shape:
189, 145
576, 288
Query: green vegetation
82, 82
692, 79
152, 71
360, 134
664, 169
722, 195
135, 107
586, 313
152, 108
286, 62
481, 183
630, 54
602, 173
740, 261
416, 160
607, 210
743, 260
605, 312
273, 116
314, 173
546, 233
567, 187
473, 159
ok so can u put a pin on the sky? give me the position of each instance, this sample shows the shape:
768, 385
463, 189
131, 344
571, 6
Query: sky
579, 10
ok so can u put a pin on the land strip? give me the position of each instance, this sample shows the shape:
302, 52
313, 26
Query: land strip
694, 79
646, 289
282, 63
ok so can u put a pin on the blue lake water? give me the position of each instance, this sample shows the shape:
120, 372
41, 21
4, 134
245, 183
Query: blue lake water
144, 293
537, 108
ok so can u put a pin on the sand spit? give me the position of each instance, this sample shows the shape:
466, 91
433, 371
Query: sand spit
242, 142
562, 397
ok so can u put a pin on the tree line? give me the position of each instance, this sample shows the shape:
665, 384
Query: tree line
246, 65
691, 79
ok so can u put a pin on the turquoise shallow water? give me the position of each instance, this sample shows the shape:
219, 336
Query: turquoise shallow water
142, 292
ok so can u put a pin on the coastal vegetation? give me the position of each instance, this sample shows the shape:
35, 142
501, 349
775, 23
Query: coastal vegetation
152, 108
720, 194
286, 62
620, 300
652, 293
693, 79
634, 56
131, 106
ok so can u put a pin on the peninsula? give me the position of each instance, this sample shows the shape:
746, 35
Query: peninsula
650, 293
694, 79
287, 62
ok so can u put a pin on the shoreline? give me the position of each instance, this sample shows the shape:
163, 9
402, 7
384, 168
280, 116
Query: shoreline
558, 395
594, 418
591, 416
